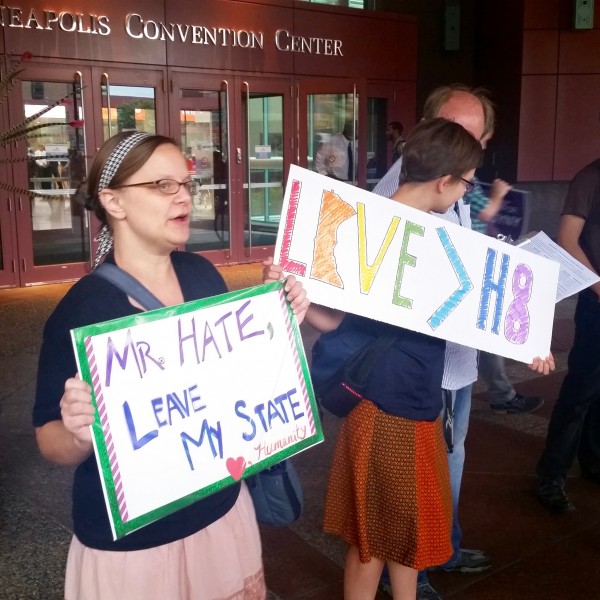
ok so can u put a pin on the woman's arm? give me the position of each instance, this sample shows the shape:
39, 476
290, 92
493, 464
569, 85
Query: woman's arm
323, 319
69, 441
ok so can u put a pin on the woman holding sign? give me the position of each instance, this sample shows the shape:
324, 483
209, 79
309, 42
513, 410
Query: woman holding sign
140, 188
389, 491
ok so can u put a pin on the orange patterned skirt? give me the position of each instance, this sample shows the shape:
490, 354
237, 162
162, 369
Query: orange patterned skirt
389, 489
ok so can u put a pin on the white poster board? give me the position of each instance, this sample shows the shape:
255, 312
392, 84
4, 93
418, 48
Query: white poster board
365, 254
192, 398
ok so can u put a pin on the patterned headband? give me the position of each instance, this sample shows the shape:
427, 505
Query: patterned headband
117, 156
105, 238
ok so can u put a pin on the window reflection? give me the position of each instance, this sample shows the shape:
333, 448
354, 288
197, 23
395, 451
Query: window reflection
128, 108
265, 151
204, 137
377, 147
332, 135
56, 166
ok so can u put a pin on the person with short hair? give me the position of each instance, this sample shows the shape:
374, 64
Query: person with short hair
392, 443
474, 111
393, 134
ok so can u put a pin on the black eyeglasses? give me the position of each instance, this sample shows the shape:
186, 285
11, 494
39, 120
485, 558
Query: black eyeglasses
469, 185
168, 186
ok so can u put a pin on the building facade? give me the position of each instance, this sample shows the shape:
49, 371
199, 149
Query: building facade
246, 88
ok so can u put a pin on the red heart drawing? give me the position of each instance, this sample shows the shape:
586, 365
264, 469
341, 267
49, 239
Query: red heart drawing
236, 467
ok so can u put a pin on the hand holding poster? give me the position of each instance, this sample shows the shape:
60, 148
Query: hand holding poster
192, 398
369, 255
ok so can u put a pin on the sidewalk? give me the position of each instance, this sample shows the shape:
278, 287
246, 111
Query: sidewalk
534, 554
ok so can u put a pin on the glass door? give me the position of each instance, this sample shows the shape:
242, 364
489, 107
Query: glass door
8, 255
330, 144
233, 132
69, 112
200, 120
385, 103
267, 145
52, 241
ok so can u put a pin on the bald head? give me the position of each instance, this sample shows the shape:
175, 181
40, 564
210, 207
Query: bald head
466, 110
469, 107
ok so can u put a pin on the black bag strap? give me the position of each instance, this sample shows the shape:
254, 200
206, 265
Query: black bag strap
130, 285
360, 364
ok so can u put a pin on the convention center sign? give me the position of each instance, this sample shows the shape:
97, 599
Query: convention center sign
365, 254
192, 398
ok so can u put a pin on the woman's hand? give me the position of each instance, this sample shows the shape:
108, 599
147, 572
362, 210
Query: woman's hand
271, 272
68, 441
295, 292
77, 411
296, 295
543, 366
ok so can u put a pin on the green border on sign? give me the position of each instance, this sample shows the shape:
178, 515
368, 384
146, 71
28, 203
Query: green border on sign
79, 336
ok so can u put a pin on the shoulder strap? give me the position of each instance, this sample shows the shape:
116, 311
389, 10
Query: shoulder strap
130, 285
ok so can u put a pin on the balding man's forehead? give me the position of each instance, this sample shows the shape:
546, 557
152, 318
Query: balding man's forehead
466, 110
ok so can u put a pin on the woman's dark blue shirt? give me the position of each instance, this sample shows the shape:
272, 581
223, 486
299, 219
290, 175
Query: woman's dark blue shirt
93, 300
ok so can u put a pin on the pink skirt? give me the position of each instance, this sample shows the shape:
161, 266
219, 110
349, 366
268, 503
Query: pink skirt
221, 562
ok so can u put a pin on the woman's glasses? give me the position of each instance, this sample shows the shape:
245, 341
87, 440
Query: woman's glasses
168, 186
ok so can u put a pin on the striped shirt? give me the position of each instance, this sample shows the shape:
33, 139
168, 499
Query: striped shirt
460, 362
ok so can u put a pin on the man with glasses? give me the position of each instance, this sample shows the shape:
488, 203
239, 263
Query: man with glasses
472, 109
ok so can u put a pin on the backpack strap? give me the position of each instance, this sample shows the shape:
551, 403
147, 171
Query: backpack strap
130, 285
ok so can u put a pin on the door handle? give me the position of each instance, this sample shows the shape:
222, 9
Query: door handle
238, 155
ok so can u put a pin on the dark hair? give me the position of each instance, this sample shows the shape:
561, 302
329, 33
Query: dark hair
438, 147
133, 161
397, 126
440, 95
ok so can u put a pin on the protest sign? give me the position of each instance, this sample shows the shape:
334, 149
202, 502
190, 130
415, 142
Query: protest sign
192, 398
369, 255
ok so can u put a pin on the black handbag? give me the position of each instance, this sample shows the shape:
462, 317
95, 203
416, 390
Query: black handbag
276, 492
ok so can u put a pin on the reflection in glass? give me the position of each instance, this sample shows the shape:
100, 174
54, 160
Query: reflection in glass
376, 141
128, 108
349, 3
264, 149
204, 139
331, 128
56, 166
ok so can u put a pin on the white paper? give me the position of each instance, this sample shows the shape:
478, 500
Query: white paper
573, 275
